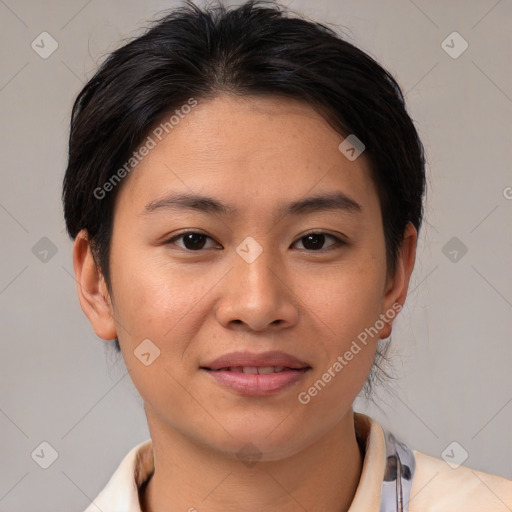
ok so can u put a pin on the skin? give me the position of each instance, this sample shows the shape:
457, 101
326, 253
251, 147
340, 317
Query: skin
252, 154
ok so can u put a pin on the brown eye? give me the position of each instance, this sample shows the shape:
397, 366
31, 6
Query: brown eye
192, 241
316, 241
313, 242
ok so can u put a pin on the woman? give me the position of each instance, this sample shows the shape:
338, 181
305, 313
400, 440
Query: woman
244, 191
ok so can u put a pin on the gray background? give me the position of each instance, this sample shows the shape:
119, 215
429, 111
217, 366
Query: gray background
58, 382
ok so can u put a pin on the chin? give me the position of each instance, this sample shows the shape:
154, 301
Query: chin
262, 440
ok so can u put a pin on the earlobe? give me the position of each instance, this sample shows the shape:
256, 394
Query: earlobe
398, 284
92, 291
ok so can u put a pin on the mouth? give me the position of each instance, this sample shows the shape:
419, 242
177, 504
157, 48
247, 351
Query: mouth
256, 374
255, 370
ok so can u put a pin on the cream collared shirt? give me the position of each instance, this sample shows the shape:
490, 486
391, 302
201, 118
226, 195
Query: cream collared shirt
436, 487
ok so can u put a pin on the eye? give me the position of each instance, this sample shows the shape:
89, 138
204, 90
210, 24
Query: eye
315, 241
195, 241
192, 240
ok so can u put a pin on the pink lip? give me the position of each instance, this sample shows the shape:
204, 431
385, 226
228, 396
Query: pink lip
274, 358
256, 384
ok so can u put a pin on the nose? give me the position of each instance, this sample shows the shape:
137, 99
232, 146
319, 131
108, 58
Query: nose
257, 296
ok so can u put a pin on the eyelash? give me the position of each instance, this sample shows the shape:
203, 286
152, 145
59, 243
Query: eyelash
338, 241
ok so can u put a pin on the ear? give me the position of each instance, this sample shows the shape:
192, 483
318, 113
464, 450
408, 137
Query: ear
92, 290
398, 284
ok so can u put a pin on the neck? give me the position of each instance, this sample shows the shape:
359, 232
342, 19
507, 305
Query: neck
187, 477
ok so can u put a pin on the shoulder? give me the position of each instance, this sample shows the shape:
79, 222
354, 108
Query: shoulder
437, 487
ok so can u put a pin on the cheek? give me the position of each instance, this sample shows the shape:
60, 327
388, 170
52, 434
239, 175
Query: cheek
345, 310
156, 301
163, 306
346, 300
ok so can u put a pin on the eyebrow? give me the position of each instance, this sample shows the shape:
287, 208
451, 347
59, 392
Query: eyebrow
337, 201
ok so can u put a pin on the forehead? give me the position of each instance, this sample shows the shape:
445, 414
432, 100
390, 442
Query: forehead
249, 151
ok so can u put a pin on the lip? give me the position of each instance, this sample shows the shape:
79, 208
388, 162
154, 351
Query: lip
273, 358
256, 384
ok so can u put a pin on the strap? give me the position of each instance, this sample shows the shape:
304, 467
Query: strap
398, 475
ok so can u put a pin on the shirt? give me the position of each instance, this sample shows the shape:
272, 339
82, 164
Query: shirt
394, 478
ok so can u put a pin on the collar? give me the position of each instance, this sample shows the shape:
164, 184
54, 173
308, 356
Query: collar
379, 490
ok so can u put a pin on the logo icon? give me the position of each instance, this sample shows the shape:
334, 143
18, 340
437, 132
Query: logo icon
249, 455
454, 249
454, 45
44, 455
352, 147
44, 250
249, 250
44, 45
454, 455
146, 352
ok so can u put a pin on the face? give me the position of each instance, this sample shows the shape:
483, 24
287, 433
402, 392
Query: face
264, 274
